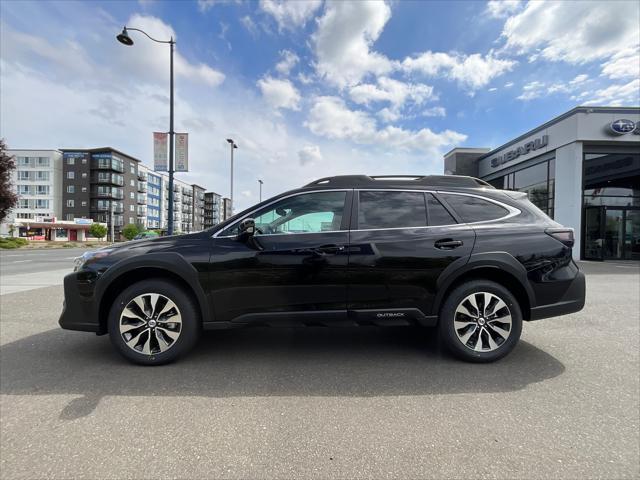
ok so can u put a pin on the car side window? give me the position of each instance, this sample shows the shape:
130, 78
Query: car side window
438, 215
389, 209
305, 213
474, 209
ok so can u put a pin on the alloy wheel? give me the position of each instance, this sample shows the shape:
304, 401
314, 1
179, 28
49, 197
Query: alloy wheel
482, 322
150, 323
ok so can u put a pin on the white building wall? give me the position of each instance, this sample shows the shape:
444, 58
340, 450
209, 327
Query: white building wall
568, 190
54, 184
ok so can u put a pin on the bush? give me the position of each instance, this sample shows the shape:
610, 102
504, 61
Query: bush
97, 230
12, 242
130, 231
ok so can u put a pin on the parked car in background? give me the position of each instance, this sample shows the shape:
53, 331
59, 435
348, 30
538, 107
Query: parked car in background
445, 251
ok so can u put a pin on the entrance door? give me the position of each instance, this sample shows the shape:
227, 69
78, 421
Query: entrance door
613, 234
593, 233
632, 235
73, 235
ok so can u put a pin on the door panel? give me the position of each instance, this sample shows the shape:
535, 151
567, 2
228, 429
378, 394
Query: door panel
398, 268
613, 234
632, 235
593, 233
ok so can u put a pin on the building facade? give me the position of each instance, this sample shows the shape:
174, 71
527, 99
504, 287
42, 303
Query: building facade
198, 207
37, 181
155, 201
212, 209
226, 208
581, 168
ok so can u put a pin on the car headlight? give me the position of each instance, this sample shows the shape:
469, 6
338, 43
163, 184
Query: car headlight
89, 257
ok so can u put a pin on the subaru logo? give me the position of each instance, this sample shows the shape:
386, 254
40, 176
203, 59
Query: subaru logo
622, 126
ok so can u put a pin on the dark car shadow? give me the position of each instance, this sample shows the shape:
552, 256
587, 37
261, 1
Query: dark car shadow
264, 362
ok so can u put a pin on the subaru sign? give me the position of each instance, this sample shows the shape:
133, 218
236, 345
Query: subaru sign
622, 126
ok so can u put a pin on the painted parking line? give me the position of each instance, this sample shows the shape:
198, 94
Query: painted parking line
29, 281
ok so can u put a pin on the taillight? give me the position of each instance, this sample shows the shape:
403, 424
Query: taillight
563, 235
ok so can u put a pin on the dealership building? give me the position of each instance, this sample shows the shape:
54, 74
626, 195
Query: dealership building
582, 168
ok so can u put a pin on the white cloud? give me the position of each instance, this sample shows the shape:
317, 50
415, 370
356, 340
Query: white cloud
204, 5
532, 90
289, 60
343, 41
387, 115
290, 14
251, 27
583, 77
470, 71
330, 117
574, 32
309, 155
615, 95
508, 85
493, 89
434, 112
624, 64
279, 93
502, 8
395, 92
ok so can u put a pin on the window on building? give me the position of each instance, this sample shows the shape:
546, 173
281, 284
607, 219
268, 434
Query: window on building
71, 175
42, 189
71, 161
68, 216
84, 174
71, 203
474, 209
84, 189
23, 161
84, 160
43, 161
23, 203
385, 209
132, 182
24, 189
84, 203
438, 215
22, 175
132, 195
42, 204
42, 176
71, 189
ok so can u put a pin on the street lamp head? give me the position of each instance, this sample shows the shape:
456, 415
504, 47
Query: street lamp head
260, 182
124, 38
233, 144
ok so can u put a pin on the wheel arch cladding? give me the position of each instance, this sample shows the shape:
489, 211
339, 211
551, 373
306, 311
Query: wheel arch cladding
512, 277
128, 274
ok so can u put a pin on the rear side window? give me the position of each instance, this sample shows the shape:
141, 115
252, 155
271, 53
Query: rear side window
391, 210
438, 215
474, 209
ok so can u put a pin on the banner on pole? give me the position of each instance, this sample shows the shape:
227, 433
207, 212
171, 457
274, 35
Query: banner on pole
182, 152
160, 157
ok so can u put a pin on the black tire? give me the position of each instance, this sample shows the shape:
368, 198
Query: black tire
453, 342
189, 331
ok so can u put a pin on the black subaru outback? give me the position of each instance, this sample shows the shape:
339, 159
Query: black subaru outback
445, 251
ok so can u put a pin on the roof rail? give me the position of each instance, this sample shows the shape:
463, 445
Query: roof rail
351, 181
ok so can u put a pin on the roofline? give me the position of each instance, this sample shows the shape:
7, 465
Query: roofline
199, 186
33, 150
468, 149
100, 149
573, 111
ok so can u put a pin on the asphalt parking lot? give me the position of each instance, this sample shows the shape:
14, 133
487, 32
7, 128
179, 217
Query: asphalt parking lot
326, 403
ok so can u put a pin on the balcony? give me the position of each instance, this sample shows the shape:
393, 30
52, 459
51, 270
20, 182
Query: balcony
109, 178
141, 199
142, 176
142, 187
107, 164
141, 212
107, 192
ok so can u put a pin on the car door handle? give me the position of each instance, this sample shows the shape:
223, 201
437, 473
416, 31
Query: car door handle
448, 244
328, 249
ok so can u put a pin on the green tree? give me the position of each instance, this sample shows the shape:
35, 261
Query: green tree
130, 231
8, 197
97, 230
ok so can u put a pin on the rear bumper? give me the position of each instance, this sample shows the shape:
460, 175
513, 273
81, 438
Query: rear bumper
572, 301
78, 309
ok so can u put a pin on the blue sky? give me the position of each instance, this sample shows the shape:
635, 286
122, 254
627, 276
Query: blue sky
309, 88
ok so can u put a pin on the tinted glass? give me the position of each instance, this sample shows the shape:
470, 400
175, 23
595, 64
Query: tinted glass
438, 215
305, 213
391, 210
474, 209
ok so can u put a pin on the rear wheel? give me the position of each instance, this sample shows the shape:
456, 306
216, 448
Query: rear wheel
153, 322
480, 321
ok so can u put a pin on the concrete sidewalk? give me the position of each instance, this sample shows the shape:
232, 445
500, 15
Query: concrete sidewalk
29, 281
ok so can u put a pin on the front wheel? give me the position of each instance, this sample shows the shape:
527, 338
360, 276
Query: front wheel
153, 322
480, 321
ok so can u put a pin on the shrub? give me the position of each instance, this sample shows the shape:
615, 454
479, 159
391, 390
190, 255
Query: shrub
130, 231
12, 242
97, 230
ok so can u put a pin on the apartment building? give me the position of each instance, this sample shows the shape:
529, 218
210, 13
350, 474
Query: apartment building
155, 200
37, 180
212, 209
226, 208
102, 182
198, 207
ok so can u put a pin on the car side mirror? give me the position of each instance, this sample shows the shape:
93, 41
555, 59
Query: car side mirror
246, 229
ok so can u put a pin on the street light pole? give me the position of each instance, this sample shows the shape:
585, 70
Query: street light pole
260, 182
233, 146
125, 39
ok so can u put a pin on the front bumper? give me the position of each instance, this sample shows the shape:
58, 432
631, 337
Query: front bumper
79, 310
572, 301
